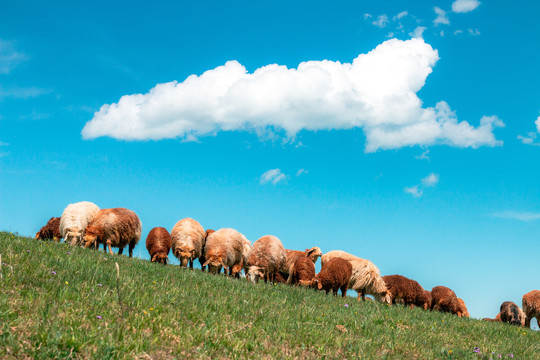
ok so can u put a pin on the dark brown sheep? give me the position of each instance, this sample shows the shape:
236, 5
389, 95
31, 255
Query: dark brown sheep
445, 300
50, 231
302, 271
429, 298
334, 275
158, 244
463, 308
202, 258
512, 314
117, 227
531, 306
405, 290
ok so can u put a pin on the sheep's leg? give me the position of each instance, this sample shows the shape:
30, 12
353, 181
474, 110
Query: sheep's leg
528, 322
131, 247
120, 251
191, 264
110, 248
344, 290
334, 291
361, 295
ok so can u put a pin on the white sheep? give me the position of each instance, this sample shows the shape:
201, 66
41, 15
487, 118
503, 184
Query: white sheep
225, 248
187, 241
75, 219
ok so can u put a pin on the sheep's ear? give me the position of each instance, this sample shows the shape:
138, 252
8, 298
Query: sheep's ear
319, 285
153, 258
310, 251
206, 262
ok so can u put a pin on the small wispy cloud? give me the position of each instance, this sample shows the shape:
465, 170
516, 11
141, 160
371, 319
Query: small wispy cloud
441, 18
474, 32
4, 143
381, 21
400, 15
418, 190
301, 171
457, 32
22, 93
517, 215
530, 139
367, 16
464, 6
272, 176
423, 156
9, 57
418, 32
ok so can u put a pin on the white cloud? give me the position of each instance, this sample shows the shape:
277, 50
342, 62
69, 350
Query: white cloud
417, 33
423, 156
4, 143
431, 180
367, 16
272, 176
518, 215
464, 6
301, 171
531, 136
413, 190
474, 32
381, 21
441, 16
376, 92
22, 93
9, 58
400, 15
457, 32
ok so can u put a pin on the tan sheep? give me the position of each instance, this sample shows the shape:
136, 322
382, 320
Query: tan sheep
366, 278
265, 259
313, 254
187, 241
302, 271
225, 248
75, 219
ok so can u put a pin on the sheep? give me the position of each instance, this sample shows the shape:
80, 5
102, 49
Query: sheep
445, 300
497, 318
116, 227
50, 231
313, 254
531, 307
158, 244
463, 308
335, 274
187, 241
75, 219
512, 314
429, 298
410, 292
202, 258
225, 248
366, 277
302, 271
265, 259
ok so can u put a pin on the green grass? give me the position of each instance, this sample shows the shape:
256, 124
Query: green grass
168, 312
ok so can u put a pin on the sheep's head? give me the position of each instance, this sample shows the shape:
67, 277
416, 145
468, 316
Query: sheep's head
38, 235
160, 258
306, 283
74, 237
90, 240
214, 264
384, 297
208, 232
254, 273
314, 253
184, 255
316, 284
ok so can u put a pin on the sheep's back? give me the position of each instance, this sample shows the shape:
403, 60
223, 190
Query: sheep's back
267, 252
158, 241
228, 243
188, 233
78, 216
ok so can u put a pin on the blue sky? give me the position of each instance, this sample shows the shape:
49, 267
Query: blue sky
420, 156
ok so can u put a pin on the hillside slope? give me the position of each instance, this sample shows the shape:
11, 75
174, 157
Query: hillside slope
57, 301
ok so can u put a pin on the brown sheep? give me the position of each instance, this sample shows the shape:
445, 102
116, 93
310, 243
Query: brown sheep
265, 259
187, 241
531, 307
334, 275
302, 271
410, 292
114, 227
313, 254
445, 300
225, 248
512, 314
497, 318
429, 298
202, 258
50, 231
366, 277
463, 309
158, 244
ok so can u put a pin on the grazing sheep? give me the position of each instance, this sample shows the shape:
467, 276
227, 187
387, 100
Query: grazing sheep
158, 244
334, 275
531, 307
225, 248
497, 318
366, 277
429, 298
265, 259
512, 314
313, 254
463, 308
114, 227
202, 258
187, 241
410, 292
50, 231
75, 219
302, 271
445, 300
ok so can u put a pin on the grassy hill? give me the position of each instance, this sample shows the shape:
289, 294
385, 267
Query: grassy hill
57, 301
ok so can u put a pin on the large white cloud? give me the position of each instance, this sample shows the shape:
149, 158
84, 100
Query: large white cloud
376, 92
464, 6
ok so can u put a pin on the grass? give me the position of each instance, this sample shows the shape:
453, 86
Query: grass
57, 301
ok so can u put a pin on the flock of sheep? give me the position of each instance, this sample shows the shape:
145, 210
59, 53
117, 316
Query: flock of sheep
84, 224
